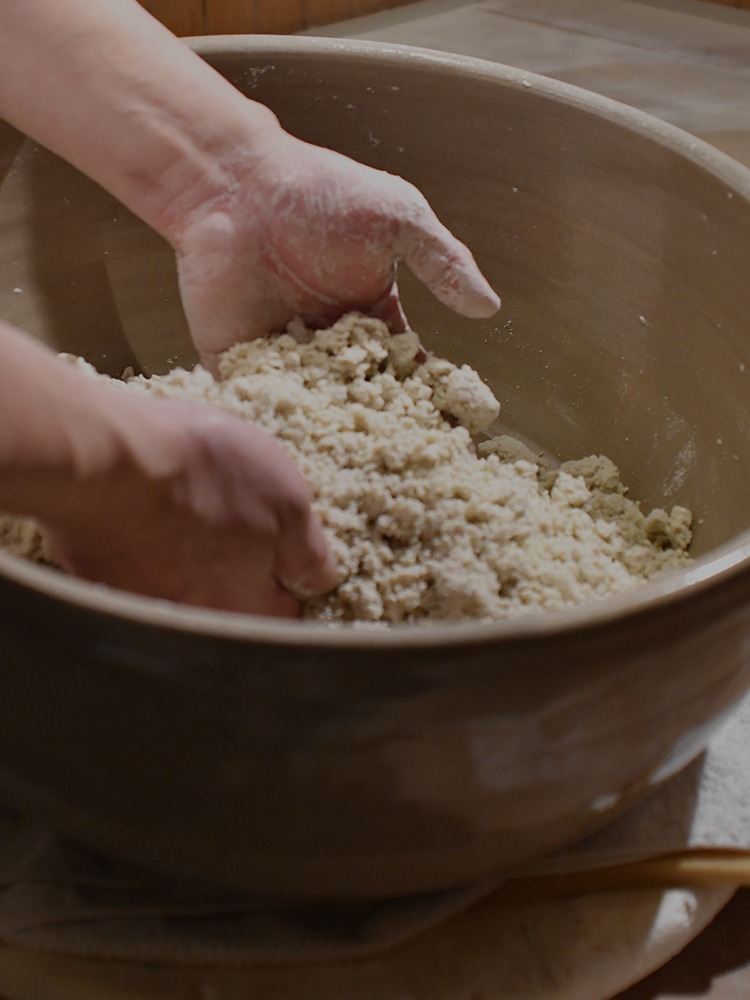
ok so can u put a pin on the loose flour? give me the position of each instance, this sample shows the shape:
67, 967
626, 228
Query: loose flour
425, 523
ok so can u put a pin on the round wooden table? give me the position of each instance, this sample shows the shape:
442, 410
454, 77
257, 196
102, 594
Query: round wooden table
716, 966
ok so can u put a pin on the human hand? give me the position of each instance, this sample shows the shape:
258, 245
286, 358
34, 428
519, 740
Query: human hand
306, 231
264, 225
202, 509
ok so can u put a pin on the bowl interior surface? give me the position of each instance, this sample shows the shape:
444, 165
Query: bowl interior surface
621, 259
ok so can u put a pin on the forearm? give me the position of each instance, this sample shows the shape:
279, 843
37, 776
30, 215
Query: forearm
111, 90
60, 431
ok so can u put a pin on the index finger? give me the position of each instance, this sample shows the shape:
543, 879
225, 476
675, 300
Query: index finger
446, 266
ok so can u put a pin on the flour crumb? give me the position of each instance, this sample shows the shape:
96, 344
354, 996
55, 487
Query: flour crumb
510, 449
425, 524
21, 537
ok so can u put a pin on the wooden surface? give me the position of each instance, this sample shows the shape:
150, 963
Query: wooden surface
216, 17
716, 966
577, 949
184, 17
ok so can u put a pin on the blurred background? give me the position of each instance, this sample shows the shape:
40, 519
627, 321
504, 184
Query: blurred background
216, 17
685, 61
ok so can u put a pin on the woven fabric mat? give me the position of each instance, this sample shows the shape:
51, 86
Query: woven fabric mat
65, 900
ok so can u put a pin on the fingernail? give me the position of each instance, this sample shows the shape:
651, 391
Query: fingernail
324, 579
480, 297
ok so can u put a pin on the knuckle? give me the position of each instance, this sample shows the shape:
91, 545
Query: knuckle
294, 505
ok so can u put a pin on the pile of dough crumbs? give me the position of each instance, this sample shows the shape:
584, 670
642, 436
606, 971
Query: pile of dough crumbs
424, 522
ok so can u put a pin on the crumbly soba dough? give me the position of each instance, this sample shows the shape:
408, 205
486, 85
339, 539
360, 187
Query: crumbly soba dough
425, 524
20, 536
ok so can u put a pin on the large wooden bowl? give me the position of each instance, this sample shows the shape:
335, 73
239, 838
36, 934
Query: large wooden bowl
292, 759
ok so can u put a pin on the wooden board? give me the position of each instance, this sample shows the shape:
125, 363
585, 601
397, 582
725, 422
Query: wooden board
230, 16
250, 16
219, 17
326, 11
274, 17
360, 7
184, 17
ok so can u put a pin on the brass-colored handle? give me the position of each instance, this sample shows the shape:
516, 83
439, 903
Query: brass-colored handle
689, 868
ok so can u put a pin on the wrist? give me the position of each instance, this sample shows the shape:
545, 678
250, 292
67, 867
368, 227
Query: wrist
46, 467
108, 88
108, 444
207, 167
60, 430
